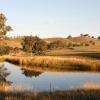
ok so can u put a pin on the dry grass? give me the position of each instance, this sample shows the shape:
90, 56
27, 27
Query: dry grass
82, 94
2, 59
57, 95
68, 63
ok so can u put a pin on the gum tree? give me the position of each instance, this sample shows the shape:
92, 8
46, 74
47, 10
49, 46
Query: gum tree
4, 28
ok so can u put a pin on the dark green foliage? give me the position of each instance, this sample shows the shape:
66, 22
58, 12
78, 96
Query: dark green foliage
16, 50
70, 44
69, 37
5, 50
86, 44
93, 37
92, 42
34, 45
99, 37
86, 35
27, 43
31, 73
3, 27
56, 44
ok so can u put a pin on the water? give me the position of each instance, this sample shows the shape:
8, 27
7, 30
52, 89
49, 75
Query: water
21, 80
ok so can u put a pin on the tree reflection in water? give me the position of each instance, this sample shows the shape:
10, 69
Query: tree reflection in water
31, 73
4, 84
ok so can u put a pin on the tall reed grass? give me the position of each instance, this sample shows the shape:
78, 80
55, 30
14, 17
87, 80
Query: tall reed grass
68, 63
57, 95
2, 59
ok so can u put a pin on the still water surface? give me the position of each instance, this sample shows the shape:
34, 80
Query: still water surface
21, 79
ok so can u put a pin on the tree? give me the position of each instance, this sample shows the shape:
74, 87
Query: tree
99, 38
3, 27
34, 45
5, 50
27, 43
69, 37
86, 35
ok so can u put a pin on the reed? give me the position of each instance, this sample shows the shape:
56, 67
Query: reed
53, 62
2, 59
56, 95
6, 93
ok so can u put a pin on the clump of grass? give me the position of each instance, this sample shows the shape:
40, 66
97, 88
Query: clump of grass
6, 93
2, 59
72, 63
56, 95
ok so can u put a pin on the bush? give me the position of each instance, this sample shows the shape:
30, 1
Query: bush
5, 50
34, 45
56, 44
87, 44
99, 38
70, 44
69, 37
92, 42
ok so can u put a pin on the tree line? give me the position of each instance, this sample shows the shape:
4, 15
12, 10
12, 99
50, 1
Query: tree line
34, 44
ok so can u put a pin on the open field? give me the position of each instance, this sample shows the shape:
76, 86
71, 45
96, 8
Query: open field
82, 51
66, 53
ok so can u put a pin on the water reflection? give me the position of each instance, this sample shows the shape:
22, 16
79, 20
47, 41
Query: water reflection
90, 86
30, 73
21, 79
4, 84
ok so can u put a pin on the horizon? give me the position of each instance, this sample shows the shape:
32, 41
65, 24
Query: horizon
49, 18
78, 35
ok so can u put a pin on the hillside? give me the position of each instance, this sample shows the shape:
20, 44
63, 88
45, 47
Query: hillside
88, 43
78, 39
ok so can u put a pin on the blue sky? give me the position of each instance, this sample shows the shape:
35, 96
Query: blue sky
52, 18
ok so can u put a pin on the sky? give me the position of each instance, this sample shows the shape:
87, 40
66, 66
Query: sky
52, 18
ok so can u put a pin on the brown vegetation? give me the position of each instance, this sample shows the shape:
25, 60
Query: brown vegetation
68, 63
57, 95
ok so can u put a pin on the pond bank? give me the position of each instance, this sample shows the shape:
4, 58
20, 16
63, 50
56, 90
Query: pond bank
57, 95
54, 62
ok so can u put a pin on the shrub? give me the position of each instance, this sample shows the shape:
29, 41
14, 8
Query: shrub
86, 44
56, 44
70, 44
34, 45
5, 50
92, 42
69, 37
86, 35
99, 38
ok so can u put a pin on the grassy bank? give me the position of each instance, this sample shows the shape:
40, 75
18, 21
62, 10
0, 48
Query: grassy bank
2, 59
57, 95
52, 62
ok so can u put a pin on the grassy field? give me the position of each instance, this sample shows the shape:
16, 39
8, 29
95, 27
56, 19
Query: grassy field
73, 58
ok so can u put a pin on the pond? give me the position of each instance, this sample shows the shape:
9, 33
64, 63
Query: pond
23, 80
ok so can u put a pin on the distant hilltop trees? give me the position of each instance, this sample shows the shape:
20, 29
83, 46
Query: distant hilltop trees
69, 37
99, 37
84, 34
36, 45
